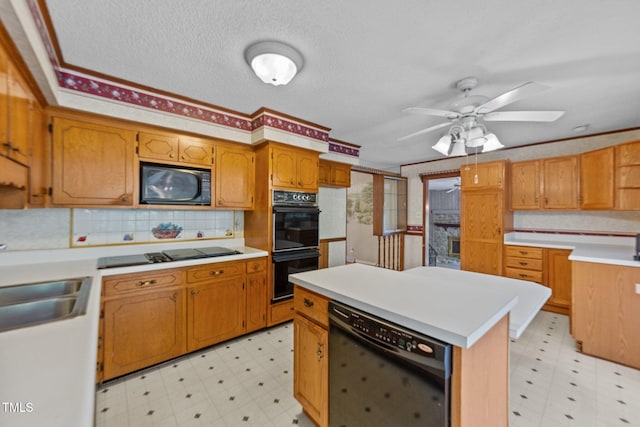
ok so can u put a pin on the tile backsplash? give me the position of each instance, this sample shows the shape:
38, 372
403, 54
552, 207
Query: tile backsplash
121, 226
64, 228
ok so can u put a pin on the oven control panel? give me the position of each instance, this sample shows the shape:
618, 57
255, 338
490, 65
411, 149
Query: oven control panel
296, 198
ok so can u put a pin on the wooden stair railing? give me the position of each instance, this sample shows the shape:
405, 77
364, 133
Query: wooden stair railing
391, 251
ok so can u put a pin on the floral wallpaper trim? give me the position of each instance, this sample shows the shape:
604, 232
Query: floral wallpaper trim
343, 149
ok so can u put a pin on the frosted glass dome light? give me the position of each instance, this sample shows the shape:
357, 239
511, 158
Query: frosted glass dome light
274, 62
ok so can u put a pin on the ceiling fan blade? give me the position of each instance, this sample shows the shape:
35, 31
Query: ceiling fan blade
523, 116
451, 115
420, 132
522, 91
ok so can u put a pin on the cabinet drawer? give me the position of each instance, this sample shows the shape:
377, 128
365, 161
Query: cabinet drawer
525, 263
280, 312
518, 273
311, 305
123, 283
524, 252
256, 265
215, 271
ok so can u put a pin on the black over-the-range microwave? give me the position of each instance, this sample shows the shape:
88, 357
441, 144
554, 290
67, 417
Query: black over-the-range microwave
174, 185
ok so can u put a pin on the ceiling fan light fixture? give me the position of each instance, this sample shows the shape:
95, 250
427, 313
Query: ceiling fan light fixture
492, 143
459, 149
274, 62
443, 145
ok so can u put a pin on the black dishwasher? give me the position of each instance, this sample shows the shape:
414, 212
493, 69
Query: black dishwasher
382, 374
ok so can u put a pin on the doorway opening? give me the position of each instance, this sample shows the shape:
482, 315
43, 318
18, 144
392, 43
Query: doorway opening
442, 220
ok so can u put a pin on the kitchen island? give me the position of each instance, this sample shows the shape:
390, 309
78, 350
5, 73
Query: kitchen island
468, 310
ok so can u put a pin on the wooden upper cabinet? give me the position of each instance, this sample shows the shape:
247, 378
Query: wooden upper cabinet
16, 104
175, 148
158, 146
596, 179
483, 176
560, 182
627, 175
294, 169
334, 174
93, 164
525, 185
235, 177
20, 107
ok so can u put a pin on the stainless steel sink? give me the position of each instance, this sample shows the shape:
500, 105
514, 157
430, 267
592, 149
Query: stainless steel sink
37, 303
35, 291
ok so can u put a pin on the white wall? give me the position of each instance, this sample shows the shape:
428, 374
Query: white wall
612, 221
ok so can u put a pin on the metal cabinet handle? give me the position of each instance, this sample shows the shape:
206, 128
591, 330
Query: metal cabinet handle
146, 283
524, 263
523, 252
524, 275
216, 273
194, 292
320, 351
308, 302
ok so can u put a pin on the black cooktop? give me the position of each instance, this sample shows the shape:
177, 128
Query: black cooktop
164, 256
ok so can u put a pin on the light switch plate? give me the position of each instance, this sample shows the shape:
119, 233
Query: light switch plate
637, 288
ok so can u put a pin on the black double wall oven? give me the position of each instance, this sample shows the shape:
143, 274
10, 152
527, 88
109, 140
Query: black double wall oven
295, 239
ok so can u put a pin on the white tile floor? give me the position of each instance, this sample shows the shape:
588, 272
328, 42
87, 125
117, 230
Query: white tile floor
249, 382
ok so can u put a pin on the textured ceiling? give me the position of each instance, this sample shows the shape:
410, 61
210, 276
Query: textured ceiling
367, 60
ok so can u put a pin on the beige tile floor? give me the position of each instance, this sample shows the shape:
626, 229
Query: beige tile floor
249, 382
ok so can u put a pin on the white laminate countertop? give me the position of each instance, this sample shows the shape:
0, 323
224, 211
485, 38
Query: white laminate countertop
449, 305
599, 249
52, 366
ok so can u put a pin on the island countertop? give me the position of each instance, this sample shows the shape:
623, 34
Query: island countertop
452, 306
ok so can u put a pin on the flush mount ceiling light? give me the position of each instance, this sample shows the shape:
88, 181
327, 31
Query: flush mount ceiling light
274, 62
468, 135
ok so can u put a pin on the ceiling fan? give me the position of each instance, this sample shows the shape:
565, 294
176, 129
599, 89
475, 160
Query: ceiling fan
454, 187
466, 113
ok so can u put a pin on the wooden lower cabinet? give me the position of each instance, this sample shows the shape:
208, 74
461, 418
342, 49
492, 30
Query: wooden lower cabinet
605, 311
310, 358
155, 316
216, 312
256, 302
547, 266
142, 330
280, 312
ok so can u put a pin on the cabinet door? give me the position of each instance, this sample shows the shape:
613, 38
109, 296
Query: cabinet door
142, 330
256, 301
481, 233
482, 176
4, 101
596, 179
341, 175
20, 105
310, 369
158, 146
39, 172
195, 151
92, 164
605, 311
525, 185
235, 178
560, 182
324, 173
559, 277
284, 168
216, 312
307, 171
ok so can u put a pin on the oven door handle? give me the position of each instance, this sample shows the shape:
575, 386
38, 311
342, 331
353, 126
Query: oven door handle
288, 209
